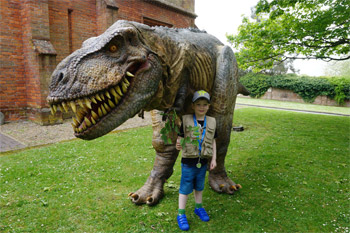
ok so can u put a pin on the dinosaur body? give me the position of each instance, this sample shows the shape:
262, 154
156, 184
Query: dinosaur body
133, 67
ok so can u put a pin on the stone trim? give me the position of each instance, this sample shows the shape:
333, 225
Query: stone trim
44, 47
111, 4
165, 4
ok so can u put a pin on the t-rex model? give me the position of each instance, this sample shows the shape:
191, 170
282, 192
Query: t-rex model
132, 68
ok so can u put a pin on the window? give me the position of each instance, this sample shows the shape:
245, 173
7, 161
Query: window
70, 30
112, 14
152, 22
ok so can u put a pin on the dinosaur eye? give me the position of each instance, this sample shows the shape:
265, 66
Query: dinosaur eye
113, 48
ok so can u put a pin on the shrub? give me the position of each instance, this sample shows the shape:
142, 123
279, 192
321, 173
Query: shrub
257, 84
341, 88
337, 88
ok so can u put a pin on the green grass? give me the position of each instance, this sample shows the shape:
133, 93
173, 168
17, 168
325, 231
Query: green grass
293, 168
294, 105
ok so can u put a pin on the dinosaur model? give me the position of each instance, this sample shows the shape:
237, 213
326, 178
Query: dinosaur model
131, 68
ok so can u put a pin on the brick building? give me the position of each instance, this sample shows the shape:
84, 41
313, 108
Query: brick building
37, 34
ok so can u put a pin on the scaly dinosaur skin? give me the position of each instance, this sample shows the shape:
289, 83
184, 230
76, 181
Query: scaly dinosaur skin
132, 67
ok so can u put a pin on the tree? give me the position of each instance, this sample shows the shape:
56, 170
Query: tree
293, 29
338, 68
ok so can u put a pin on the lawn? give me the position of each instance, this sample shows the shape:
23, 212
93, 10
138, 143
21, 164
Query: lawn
294, 169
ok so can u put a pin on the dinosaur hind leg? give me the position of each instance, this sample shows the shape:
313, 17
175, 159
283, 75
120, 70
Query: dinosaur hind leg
166, 155
224, 94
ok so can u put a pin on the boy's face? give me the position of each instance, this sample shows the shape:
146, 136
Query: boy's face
200, 107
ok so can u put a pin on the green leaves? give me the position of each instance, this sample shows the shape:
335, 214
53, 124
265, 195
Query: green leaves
193, 141
171, 127
293, 29
307, 87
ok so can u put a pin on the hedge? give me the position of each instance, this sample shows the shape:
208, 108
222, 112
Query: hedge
337, 88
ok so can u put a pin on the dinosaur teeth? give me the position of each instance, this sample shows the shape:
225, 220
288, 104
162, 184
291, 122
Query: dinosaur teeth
87, 103
90, 109
129, 74
124, 87
53, 109
117, 88
108, 95
98, 97
87, 122
65, 106
80, 102
116, 100
93, 99
73, 106
113, 92
99, 111
75, 122
111, 104
126, 81
107, 107
60, 107
103, 110
94, 115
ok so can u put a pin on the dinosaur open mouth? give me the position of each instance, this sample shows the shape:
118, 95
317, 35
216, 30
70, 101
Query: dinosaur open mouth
94, 107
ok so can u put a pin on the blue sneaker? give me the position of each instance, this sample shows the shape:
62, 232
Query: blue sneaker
202, 214
182, 221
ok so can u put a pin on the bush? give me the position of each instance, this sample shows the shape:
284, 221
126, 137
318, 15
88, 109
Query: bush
341, 88
337, 88
257, 84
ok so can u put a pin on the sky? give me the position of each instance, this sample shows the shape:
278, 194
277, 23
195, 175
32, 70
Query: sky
219, 17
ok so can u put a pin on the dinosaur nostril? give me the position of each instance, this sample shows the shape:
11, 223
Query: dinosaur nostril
60, 77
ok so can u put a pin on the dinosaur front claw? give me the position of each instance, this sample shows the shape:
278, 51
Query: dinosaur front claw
235, 187
149, 194
149, 200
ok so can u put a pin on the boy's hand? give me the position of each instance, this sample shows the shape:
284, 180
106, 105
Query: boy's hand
212, 164
178, 144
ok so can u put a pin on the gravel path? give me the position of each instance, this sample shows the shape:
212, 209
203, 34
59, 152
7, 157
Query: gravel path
30, 134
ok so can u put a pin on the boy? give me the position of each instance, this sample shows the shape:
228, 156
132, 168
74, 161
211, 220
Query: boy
194, 160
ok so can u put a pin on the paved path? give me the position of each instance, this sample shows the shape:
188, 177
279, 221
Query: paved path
7, 143
22, 134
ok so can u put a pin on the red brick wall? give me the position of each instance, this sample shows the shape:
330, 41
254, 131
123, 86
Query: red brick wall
84, 26
12, 72
24, 71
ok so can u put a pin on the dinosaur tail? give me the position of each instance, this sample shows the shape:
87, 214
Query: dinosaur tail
243, 90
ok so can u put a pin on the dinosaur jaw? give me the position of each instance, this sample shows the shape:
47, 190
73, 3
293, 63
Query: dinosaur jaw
96, 111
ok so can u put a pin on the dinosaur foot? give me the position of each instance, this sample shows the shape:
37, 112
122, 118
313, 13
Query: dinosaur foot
150, 193
220, 183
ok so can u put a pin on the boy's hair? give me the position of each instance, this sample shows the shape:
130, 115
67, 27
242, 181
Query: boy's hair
201, 95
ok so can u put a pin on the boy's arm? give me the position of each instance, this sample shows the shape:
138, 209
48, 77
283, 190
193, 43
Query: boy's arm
178, 143
213, 159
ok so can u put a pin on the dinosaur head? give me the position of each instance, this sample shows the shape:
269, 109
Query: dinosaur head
112, 77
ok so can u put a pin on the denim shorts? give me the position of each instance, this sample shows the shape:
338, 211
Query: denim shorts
192, 178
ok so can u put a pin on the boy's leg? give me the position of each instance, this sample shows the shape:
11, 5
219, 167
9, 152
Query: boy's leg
182, 201
199, 210
198, 196
181, 217
186, 187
